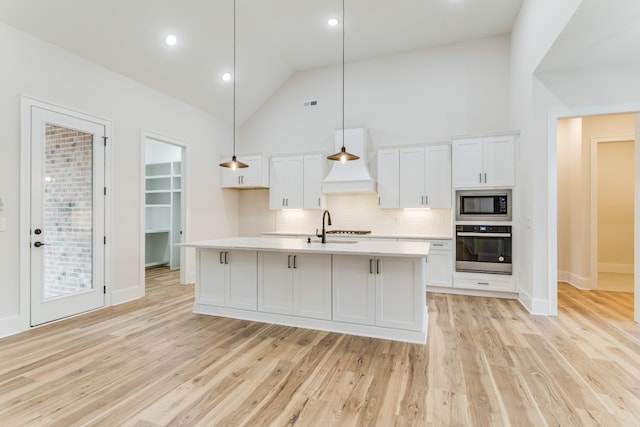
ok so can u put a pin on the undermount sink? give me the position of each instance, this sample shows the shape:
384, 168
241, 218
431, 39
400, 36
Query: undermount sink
335, 241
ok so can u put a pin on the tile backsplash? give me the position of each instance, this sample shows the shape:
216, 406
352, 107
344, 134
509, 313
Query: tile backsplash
348, 211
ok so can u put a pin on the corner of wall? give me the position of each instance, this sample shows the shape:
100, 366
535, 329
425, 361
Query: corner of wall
535, 306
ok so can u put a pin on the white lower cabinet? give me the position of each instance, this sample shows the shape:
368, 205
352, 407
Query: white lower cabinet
484, 282
439, 262
380, 291
227, 278
295, 284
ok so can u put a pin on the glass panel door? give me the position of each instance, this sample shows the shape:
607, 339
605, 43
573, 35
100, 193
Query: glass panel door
67, 215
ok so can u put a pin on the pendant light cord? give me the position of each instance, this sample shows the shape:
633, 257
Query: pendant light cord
234, 78
342, 73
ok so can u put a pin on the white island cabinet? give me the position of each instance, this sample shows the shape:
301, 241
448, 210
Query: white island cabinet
368, 288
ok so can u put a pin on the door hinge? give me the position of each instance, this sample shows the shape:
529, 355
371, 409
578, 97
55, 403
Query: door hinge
105, 289
105, 191
105, 240
104, 139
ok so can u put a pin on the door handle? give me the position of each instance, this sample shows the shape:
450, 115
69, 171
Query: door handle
288, 261
295, 261
370, 266
38, 244
377, 266
221, 259
226, 257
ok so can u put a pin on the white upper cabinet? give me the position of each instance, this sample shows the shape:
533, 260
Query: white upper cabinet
484, 162
425, 177
389, 178
286, 183
315, 168
255, 176
296, 182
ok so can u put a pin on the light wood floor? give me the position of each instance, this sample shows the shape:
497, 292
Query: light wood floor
152, 362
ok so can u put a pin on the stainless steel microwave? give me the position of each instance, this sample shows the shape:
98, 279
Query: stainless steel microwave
483, 205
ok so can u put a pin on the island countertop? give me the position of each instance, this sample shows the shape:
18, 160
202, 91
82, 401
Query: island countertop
342, 246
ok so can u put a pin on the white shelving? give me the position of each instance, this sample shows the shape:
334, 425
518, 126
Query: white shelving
163, 184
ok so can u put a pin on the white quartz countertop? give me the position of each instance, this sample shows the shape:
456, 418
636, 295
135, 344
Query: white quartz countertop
372, 235
390, 248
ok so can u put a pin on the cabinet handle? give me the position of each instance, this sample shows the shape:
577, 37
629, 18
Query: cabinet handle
377, 266
480, 178
287, 200
483, 283
295, 261
370, 266
288, 261
426, 200
226, 257
485, 178
378, 200
282, 202
221, 260
422, 200
318, 201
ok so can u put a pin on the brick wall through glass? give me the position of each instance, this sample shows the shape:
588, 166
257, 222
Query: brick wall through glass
68, 211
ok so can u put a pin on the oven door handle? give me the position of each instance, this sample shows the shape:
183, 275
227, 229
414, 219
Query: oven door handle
469, 234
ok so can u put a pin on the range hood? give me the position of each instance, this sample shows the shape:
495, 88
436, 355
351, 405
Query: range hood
352, 176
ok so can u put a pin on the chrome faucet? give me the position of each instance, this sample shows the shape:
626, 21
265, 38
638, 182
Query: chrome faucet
324, 231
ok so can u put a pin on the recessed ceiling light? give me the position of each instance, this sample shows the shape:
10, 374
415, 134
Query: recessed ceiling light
226, 77
332, 22
171, 40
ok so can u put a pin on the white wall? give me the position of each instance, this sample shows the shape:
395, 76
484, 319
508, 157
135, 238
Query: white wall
160, 152
538, 25
43, 71
423, 96
420, 96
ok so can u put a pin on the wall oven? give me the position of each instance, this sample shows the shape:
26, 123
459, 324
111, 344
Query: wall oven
483, 205
483, 249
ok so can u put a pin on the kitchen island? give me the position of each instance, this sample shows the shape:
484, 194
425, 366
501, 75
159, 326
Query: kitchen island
374, 289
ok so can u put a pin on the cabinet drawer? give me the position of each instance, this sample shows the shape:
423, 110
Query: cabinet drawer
441, 245
489, 284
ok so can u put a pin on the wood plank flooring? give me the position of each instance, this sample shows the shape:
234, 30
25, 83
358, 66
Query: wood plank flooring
488, 362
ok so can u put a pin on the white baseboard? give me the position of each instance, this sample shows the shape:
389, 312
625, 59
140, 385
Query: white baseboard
13, 325
582, 283
125, 295
604, 267
537, 306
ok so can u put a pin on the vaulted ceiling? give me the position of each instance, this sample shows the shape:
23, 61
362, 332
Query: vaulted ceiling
275, 38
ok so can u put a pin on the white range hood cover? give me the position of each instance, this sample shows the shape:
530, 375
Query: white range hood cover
352, 176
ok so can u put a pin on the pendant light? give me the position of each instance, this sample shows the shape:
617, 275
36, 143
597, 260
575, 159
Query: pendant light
343, 155
234, 163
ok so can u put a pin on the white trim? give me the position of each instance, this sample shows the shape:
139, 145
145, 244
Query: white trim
21, 322
552, 196
582, 283
604, 267
537, 306
187, 257
125, 295
593, 227
418, 337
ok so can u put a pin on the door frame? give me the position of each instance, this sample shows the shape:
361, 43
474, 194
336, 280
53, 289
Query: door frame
185, 213
593, 172
552, 197
26, 103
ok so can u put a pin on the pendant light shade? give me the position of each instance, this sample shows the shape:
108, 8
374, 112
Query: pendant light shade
234, 163
343, 155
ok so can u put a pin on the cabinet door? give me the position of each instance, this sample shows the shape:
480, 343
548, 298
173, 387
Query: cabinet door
467, 163
274, 282
285, 188
314, 172
499, 159
400, 295
439, 268
353, 289
211, 276
241, 284
412, 177
438, 177
312, 286
389, 178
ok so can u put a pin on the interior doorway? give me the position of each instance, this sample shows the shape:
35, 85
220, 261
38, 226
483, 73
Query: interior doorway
164, 216
596, 197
